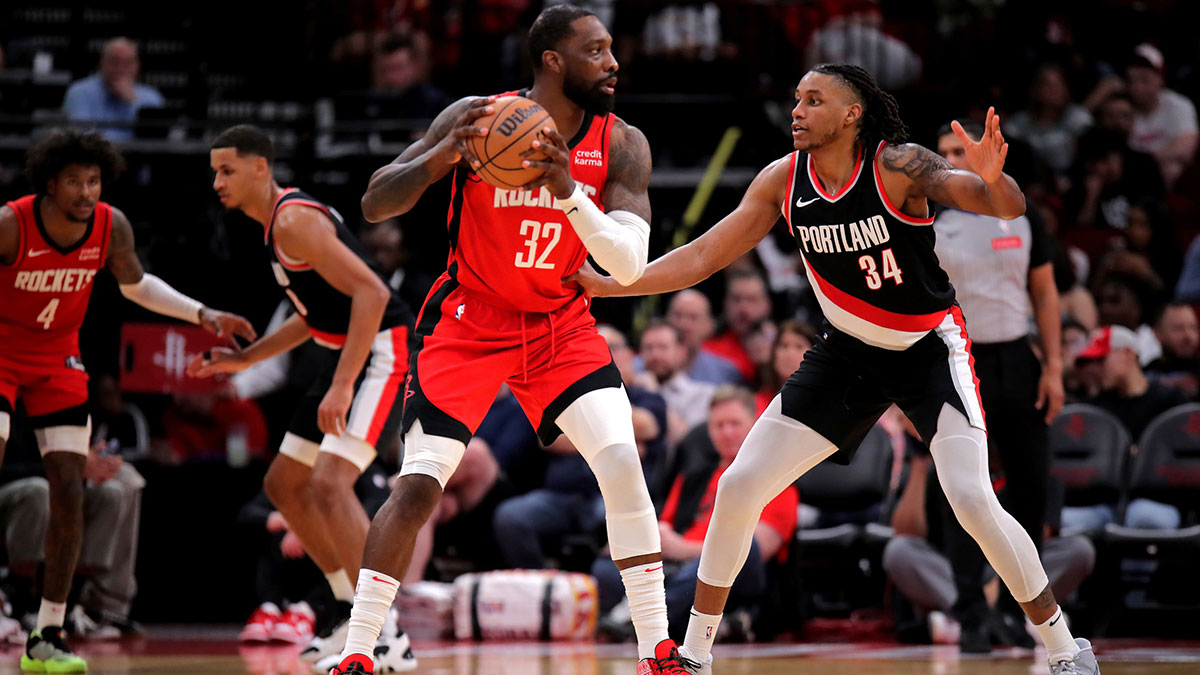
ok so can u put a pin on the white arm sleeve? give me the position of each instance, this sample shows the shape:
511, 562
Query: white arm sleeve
619, 241
157, 296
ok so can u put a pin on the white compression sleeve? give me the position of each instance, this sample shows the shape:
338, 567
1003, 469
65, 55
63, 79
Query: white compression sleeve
157, 296
619, 241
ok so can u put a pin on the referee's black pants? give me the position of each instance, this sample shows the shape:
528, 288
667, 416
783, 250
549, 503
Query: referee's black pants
1008, 374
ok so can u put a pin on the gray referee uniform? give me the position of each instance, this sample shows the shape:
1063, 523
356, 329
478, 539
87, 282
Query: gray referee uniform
989, 260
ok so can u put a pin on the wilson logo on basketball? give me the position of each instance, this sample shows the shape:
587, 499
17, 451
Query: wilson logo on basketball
510, 123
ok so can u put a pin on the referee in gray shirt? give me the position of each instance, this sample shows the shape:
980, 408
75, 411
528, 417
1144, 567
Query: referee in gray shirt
998, 268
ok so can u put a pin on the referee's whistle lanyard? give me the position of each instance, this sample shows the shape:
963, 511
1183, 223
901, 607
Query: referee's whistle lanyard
525, 345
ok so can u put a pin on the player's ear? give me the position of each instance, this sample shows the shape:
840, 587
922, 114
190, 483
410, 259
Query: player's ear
260, 165
552, 61
853, 113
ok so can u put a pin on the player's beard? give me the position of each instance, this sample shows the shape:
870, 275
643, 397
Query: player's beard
587, 95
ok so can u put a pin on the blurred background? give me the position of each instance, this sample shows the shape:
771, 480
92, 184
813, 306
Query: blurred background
1095, 96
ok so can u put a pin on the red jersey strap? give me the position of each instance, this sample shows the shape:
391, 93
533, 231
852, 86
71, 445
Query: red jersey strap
23, 207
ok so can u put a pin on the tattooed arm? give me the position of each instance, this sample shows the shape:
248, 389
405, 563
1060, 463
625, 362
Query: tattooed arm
394, 188
628, 172
918, 174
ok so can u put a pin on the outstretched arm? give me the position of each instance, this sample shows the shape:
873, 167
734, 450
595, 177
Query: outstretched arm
157, 295
736, 234
394, 188
986, 189
10, 236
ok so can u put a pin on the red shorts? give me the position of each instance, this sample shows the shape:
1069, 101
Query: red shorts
45, 388
467, 347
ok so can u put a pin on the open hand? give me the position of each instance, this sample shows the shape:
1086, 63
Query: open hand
1050, 394
557, 165
985, 156
216, 360
226, 325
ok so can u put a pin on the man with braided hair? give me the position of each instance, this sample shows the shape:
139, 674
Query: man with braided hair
855, 196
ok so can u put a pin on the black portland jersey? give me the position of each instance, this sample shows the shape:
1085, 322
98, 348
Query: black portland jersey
872, 267
325, 309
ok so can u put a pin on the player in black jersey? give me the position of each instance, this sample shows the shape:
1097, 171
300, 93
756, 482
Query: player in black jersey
855, 197
342, 303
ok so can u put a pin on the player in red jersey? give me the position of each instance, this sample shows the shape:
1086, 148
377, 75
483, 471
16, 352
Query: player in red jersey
855, 197
501, 314
52, 243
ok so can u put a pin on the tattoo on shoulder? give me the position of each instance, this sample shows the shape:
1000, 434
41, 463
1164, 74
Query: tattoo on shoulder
920, 164
629, 158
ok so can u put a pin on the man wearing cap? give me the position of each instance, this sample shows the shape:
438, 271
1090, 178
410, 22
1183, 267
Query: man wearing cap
1135, 401
1164, 121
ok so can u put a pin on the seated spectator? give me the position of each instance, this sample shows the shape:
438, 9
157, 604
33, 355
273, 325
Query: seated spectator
1135, 401
117, 424
792, 341
1178, 331
685, 519
915, 558
288, 585
1105, 185
691, 314
1050, 122
385, 243
1079, 384
1115, 114
400, 71
747, 304
108, 552
1164, 121
569, 501
663, 356
1075, 301
1124, 299
210, 427
111, 97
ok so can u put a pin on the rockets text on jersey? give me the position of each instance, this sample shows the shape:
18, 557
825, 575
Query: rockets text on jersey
48, 286
513, 247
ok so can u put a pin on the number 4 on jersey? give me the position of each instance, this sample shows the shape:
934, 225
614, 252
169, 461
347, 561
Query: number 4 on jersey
891, 270
47, 314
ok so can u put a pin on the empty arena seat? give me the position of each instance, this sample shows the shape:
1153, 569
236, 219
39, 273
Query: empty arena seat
1088, 450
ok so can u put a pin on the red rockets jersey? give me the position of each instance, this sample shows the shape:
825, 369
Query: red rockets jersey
45, 291
514, 247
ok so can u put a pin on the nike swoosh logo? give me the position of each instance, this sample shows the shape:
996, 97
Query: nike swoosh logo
34, 254
385, 581
653, 569
800, 203
1055, 620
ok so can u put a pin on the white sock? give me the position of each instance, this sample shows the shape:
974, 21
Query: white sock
51, 614
372, 600
1060, 645
644, 586
701, 631
339, 582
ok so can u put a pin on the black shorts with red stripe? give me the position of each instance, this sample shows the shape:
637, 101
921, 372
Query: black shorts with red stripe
844, 385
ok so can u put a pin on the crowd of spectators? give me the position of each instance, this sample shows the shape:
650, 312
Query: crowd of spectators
1103, 140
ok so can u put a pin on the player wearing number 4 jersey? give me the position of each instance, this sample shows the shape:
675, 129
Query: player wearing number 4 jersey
501, 314
52, 244
854, 196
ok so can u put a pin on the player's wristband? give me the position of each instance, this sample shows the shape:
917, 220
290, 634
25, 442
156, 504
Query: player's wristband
619, 241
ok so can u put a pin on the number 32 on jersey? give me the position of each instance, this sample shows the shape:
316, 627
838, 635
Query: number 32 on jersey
541, 238
890, 269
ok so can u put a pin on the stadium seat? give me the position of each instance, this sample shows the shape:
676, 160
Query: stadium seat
1088, 449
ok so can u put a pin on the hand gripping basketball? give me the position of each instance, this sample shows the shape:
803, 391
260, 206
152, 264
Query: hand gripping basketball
453, 146
557, 165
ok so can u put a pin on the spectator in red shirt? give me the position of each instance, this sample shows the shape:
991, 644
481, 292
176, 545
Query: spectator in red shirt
206, 427
792, 342
747, 304
685, 518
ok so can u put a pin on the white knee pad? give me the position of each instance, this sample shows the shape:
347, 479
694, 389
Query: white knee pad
5, 426
631, 519
75, 439
300, 449
598, 419
777, 451
960, 454
436, 456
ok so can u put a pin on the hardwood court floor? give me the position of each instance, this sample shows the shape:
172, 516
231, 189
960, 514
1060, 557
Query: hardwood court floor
207, 656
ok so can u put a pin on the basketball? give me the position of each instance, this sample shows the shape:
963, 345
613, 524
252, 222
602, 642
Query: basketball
512, 129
